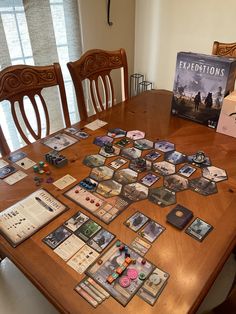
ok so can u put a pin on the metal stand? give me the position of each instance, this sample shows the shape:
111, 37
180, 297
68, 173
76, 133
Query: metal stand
135, 80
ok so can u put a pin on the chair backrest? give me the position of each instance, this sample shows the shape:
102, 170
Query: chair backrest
19, 81
224, 49
96, 66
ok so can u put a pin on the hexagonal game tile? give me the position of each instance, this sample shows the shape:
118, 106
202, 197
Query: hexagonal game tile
214, 174
116, 152
125, 176
116, 133
143, 144
135, 191
164, 146
164, 168
102, 140
175, 182
175, 157
202, 186
140, 164
101, 173
162, 196
131, 152
94, 160
135, 134
109, 188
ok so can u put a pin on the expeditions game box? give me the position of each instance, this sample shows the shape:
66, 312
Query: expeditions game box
201, 82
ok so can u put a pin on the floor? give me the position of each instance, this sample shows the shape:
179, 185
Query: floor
19, 296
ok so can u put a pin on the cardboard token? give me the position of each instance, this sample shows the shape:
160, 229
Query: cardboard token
124, 281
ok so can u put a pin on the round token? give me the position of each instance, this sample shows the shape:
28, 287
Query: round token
155, 278
179, 213
142, 276
124, 281
132, 273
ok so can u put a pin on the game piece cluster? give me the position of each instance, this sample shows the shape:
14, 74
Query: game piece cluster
56, 159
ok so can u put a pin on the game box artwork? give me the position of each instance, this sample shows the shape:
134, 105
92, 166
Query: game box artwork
201, 82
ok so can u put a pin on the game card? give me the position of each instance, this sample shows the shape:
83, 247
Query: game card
69, 247
153, 286
3, 163
25, 163
117, 163
136, 221
17, 156
83, 259
71, 130
15, 177
96, 124
153, 155
140, 246
116, 133
199, 229
152, 231
187, 170
59, 141
88, 230
6, 171
64, 181
101, 240
57, 237
76, 221
149, 179
82, 135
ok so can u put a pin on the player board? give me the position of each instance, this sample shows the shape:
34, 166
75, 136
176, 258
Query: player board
121, 272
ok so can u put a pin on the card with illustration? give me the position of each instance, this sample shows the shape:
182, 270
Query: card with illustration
153, 155
199, 229
117, 163
149, 179
76, 221
82, 135
122, 143
152, 231
136, 221
57, 237
116, 133
6, 171
25, 163
17, 156
187, 170
101, 240
88, 230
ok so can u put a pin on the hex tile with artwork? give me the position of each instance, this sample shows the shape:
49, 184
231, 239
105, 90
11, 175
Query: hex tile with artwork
101, 173
164, 168
125, 176
109, 188
214, 174
175, 182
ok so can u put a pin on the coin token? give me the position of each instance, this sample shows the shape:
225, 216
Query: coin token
124, 281
132, 273
155, 278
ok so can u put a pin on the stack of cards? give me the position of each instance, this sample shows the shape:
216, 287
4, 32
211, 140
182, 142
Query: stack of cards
153, 286
93, 293
179, 216
199, 229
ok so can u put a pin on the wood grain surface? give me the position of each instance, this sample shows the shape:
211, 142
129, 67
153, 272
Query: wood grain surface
193, 266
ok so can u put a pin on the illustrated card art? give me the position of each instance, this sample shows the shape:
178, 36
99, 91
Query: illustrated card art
88, 230
149, 179
57, 237
17, 156
199, 229
76, 221
152, 231
136, 221
101, 240
6, 171
187, 170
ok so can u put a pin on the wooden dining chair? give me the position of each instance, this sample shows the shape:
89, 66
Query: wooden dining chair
19, 81
95, 67
224, 49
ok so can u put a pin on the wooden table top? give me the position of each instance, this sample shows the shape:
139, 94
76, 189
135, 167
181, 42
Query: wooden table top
192, 265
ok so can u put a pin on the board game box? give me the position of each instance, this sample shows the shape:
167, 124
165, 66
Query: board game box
200, 85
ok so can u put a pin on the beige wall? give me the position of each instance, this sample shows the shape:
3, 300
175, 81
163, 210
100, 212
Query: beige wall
98, 34
165, 27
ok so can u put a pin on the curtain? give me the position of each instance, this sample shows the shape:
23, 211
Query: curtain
39, 32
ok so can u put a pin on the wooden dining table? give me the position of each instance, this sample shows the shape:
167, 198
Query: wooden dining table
192, 265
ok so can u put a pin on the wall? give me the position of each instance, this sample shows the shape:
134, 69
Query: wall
165, 27
98, 34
